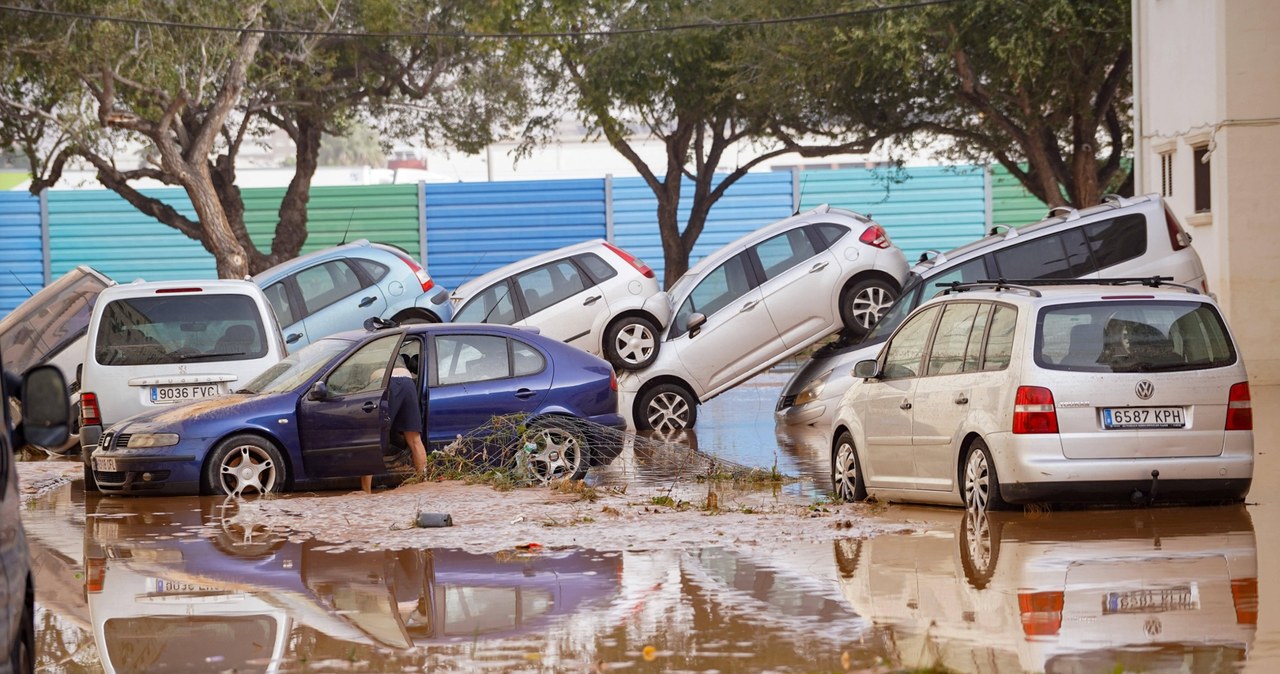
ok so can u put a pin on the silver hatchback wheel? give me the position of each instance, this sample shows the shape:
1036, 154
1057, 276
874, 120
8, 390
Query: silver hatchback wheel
631, 343
846, 476
666, 408
869, 305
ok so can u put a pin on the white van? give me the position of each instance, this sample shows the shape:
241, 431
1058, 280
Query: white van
160, 343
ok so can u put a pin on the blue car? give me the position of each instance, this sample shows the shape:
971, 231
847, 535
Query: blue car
338, 288
323, 413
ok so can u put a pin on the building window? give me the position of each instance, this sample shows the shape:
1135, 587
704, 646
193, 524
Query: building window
1166, 174
1200, 173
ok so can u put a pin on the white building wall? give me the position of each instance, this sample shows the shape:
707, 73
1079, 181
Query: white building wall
1208, 71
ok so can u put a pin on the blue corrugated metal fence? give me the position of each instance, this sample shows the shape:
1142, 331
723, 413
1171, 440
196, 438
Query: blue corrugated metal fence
471, 228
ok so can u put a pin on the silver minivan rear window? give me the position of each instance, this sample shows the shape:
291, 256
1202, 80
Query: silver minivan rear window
1133, 336
185, 328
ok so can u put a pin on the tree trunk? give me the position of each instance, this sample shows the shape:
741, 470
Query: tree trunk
219, 239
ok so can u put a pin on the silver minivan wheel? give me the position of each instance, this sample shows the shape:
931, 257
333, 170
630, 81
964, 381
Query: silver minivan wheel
981, 485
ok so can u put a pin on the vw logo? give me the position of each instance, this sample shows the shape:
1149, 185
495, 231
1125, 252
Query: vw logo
1145, 389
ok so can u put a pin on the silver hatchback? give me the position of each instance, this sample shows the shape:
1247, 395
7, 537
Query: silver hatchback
1023, 392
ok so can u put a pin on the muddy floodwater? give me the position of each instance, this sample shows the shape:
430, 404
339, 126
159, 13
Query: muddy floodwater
177, 585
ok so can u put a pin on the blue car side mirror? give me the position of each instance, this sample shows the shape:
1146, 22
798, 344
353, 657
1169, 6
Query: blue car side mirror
319, 391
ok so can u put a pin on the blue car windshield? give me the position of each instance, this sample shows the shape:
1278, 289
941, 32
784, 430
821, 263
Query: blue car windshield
295, 370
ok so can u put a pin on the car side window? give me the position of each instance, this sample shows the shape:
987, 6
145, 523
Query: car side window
830, 233
460, 359
1118, 239
327, 283
1044, 257
969, 272
491, 305
784, 251
598, 269
374, 270
715, 291
549, 284
903, 355
278, 295
977, 339
1000, 338
364, 370
946, 355
525, 359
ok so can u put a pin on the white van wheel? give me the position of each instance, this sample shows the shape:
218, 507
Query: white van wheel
244, 463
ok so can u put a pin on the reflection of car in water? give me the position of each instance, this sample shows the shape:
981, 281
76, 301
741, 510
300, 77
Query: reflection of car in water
1153, 590
194, 584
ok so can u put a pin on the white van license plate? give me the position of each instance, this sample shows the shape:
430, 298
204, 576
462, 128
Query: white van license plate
1144, 417
176, 394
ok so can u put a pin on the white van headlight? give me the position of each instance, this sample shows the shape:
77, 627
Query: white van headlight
813, 389
143, 440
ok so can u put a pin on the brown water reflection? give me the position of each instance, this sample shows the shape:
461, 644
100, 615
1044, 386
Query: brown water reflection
1177, 590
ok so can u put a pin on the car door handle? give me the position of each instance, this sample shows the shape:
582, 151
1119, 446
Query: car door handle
905, 405
369, 406
368, 300
525, 394
749, 306
591, 300
962, 399
293, 338
818, 267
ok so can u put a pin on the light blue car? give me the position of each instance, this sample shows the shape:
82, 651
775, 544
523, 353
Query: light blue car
338, 288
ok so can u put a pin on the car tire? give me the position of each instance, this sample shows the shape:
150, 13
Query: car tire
90, 484
979, 547
666, 407
863, 303
555, 452
847, 481
244, 463
981, 484
631, 343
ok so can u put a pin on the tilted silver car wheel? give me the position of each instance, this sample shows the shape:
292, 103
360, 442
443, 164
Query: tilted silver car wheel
247, 467
557, 455
635, 344
668, 411
977, 481
845, 480
869, 304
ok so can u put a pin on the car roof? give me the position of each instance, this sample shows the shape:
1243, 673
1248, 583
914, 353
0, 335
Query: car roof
426, 328
1045, 226
732, 248
1054, 291
272, 273
488, 278
141, 288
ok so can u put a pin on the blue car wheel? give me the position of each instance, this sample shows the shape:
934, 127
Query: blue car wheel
244, 464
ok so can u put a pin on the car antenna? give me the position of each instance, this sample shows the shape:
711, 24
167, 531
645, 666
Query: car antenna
348, 229
19, 280
800, 196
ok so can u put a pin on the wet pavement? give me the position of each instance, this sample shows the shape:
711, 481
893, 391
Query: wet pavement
179, 584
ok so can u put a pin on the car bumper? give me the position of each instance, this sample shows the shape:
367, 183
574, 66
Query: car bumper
802, 415
149, 475
1031, 468
437, 302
